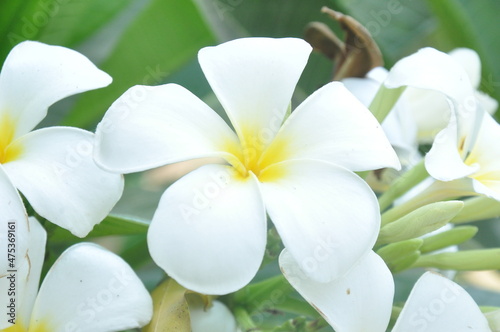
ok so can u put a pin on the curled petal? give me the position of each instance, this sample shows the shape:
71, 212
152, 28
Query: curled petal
36, 75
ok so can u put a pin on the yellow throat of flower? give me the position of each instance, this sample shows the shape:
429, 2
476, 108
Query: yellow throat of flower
42, 327
8, 151
256, 155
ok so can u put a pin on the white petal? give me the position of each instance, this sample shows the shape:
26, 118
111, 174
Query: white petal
13, 216
327, 217
254, 79
90, 289
364, 89
35, 75
444, 161
489, 104
30, 270
469, 60
359, 301
25, 275
209, 231
149, 127
332, 125
433, 70
217, 318
437, 304
58, 176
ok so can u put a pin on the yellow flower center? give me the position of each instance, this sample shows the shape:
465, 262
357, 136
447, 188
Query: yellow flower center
20, 328
8, 151
255, 155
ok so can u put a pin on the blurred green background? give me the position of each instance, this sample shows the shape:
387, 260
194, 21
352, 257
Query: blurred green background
156, 41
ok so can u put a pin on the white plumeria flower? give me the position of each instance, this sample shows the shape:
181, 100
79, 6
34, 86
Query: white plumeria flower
52, 167
360, 301
217, 318
437, 304
473, 170
422, 110
430, 109
87, 289
209, 231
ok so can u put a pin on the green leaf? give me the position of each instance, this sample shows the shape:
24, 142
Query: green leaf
165, 36
111, 225
469, 24
58, 22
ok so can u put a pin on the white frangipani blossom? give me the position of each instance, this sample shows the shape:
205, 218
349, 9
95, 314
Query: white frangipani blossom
423, 110
209, 231
53, 167
88, 289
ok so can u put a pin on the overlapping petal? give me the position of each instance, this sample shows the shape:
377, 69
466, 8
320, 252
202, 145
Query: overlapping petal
437, 304
90, 289
254, 79
57, 174
209, 231
359, 301
36, 75
332, 125
13, 216
327, 216
29, 272
149, 127
445, 161
433, 70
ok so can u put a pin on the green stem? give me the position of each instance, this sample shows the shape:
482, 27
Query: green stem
403, 184
244, 320
264, 293
297, 307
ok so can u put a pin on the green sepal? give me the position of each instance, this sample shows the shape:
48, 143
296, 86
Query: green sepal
171, 303
384, 101
422, 221
448, 238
